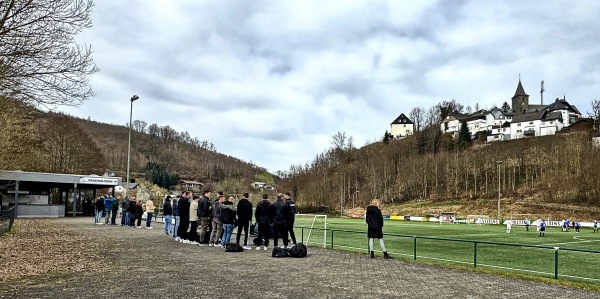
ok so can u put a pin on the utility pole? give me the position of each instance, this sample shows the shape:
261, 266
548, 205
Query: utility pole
498, 163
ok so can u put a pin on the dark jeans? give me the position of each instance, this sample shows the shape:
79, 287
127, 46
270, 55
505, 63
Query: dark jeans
245, 226
263, 232
113, 219
290, 228
184, 223
123, 218
193, 234
149, 219
280, 230
139, 219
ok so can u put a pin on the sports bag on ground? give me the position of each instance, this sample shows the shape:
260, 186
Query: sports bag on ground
279, 252
298, 250
233, 247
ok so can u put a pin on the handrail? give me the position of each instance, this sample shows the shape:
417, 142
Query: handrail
474, 262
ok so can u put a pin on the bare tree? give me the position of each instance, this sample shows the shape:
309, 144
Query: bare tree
417, 115
595, 114
40, 63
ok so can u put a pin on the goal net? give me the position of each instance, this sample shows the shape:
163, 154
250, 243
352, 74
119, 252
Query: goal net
311, 229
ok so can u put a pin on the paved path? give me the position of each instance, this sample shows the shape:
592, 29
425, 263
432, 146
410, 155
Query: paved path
147, 264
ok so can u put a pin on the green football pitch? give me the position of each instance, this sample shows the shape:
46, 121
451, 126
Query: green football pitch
469, 245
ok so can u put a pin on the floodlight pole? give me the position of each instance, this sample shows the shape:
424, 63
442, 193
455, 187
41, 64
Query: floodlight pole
133, 98
498, 163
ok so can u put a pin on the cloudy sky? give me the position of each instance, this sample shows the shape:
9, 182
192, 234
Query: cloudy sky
271, 81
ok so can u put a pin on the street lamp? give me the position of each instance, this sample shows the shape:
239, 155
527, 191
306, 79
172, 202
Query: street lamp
498, 163
133, 98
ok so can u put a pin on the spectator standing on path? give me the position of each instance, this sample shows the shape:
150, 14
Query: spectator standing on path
374, 220
193, 234
176, 217
131, 211
139, 211
124, 207
291, 216
99, 209
168, 215
115, 210
204, 214
244, 215
228, 220
280, 211
217, 225
149, 213
107, 208
184, 215
263, 216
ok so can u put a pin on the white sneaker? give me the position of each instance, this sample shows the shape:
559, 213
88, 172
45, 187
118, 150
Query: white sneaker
177, 239
194, 243
201, 244
150, 227
266, 247
257, 247
186, 242
211, 244
247, 247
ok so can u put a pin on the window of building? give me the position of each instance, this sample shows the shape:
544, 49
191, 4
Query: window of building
519, 124
531, 123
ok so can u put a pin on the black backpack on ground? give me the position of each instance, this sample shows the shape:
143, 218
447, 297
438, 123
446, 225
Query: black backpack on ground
279, 252
298, 250
233, 247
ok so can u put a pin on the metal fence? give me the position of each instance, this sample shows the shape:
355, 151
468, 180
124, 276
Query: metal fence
535, 260
7, 218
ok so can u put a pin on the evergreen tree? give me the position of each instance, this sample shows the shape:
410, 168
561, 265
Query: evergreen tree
464, 136
387, 137
505, 107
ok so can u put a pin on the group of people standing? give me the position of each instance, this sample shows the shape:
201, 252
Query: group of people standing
187, 213
132, 210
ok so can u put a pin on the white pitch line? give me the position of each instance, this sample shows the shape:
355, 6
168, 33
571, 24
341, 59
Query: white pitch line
576, 238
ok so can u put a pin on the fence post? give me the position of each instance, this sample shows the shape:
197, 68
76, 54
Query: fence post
474, 254
556, 262
415, 248
331, 239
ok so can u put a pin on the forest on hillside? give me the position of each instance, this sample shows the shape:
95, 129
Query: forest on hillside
32, 140
431, 166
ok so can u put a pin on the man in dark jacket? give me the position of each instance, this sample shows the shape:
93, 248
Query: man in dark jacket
263, 216
244, 215
204, 215
184, 216
115, 209
291, 215
227, 219
124, 208
176, 217
167, 215
131, 211
374, 221
99, 209
280, 216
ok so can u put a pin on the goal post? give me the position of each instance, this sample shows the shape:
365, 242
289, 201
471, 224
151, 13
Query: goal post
312, 228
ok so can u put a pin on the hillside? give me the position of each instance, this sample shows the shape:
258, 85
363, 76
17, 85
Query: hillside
556, 174
32, 140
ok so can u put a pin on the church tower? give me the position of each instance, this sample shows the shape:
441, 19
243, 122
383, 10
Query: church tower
520, 101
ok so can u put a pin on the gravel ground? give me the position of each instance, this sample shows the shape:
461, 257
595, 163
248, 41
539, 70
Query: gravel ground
99, 261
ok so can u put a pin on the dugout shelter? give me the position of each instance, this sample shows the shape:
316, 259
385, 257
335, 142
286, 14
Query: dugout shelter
38, 194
